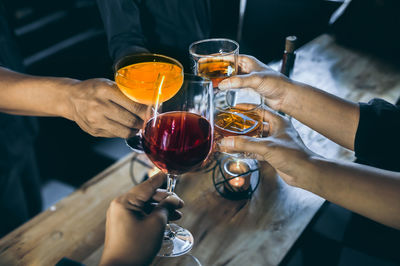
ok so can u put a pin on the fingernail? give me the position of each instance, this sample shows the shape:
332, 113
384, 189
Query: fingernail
225, 84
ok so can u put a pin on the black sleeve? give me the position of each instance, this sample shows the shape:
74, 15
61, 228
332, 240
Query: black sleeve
377, 141
123, 28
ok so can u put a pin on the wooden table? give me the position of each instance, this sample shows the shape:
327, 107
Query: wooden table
255, 232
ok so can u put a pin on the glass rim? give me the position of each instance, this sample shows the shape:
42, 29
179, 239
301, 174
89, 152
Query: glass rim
143, 55
258, 106
213, 39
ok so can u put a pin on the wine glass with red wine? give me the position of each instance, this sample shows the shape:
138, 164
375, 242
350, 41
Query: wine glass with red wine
177, 138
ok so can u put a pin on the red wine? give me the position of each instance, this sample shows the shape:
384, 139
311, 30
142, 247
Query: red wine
177, 142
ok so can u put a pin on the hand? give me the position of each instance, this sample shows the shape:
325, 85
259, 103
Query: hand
272, 85
248, 64
100, 109
135, 224
283, 148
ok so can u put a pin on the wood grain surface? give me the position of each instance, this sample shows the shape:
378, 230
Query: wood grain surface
73, 228
249, 232
259, 231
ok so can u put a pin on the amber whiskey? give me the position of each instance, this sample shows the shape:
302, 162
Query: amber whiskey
234, 121
216, 70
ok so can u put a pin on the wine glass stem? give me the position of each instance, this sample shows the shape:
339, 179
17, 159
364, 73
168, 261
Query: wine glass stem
171, 181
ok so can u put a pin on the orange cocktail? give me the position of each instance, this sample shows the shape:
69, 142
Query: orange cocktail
141, 77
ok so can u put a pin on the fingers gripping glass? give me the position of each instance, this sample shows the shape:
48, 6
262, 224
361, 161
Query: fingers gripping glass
177, 137
237, 110
238, 113
215, 59
138, 76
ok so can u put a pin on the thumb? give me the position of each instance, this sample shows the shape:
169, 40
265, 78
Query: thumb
241, 81
145, 190
248, 63
244, 144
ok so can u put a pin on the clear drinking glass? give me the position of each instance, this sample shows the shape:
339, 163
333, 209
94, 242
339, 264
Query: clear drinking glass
238, 113
138, 76
177, 137
215, 59
237, 110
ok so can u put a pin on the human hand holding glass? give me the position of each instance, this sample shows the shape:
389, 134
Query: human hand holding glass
236, 109
139, 214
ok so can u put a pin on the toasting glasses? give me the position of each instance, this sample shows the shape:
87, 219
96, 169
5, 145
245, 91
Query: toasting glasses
177, 137
178, 131
238, 110
138, 76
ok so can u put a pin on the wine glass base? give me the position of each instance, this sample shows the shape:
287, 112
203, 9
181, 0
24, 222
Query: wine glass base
177, 241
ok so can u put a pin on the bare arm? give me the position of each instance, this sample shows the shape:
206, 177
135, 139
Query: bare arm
96, 105
333, 117
369, 191
36, 96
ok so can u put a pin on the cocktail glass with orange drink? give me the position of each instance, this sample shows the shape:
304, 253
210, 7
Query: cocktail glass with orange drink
145, 78
139, 76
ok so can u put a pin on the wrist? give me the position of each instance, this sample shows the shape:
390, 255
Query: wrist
303, 171
67, 89
52, 95
310, 179
292, 98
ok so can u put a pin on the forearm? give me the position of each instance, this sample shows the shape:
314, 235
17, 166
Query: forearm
333, 117
34, 96
369, 191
